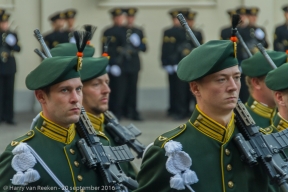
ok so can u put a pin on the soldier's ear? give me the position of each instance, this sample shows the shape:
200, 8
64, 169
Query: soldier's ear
194, 88
279, 98
40, 96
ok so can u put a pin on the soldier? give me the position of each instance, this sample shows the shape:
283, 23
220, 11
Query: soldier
70, 15
242, 11
281, 34
252, 35
57, 35
169, 60
274, 81
8, 46
261, 104
135, 42
184, 98
96, 92
225, 33
116, 36
58, 88
207, 138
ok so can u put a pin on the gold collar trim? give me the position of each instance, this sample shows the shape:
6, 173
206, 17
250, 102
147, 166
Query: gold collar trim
211, 128
56, 132
97, 122
261, 109
280, 123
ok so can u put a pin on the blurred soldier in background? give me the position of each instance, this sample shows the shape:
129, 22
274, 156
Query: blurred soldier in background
242, 11
8, 46
57, 35
116, 37
225, 33
252, 35
169, 59
70, 19
176, 45
281, 34
135, 42
70, 22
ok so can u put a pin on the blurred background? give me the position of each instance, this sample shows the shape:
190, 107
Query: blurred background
152, 16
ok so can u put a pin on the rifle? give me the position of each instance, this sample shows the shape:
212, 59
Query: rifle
266, 149
124, 135
257, 147
39, 37
105, 159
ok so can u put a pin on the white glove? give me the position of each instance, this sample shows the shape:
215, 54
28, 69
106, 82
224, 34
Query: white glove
259, 34
175, 68
10, 40
169, 69
135, 39
108, 68
115, 70
72, 40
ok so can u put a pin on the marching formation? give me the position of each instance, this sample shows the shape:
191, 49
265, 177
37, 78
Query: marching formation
235, 96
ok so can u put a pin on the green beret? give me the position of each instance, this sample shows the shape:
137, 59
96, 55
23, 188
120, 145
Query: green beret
257, 65
93, 67
70, 49
277, 79
206, 59
52, 71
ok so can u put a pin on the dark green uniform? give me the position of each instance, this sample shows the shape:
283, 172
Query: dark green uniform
261, 113
215, 159
57, 147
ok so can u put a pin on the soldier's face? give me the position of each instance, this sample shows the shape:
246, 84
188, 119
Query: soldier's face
120, 20
63, 103
281, 97
252, 19
70, 22
218, 93
286, 16
96, 95
4, 25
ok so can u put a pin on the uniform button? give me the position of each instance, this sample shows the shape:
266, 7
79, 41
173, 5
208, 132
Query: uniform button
82, 190
229, 167
227, 152
72, 151
80, 178
230, 184
29, 133
42, 129
76, 163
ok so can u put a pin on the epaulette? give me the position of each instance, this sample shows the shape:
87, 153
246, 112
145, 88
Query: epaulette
267, 130
164, 138
30, 134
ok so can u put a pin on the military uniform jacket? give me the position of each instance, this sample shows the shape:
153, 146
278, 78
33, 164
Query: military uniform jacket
133, 64
117, 43
225, 33
281, 38
56, 37
215, 159
7, 59
57, 148
171, 40
261, 114
248, 35
278, 124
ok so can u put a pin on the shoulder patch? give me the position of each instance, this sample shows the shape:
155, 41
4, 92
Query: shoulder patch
30, 134
164, 138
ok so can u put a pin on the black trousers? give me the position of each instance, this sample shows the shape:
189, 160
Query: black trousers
180, 96
7, 97
123, 96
